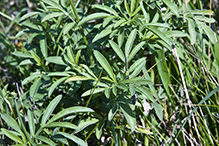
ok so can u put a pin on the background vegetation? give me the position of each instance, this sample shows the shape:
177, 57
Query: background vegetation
117, 72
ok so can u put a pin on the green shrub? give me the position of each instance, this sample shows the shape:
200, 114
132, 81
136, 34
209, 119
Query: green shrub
128, 71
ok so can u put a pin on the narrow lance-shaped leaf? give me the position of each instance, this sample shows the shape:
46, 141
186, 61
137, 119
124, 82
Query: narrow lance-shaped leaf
173, 7
11, 135
46, 140
129, 115
11, 122
163, 69
97, 90
130, 42
133, 2
78, 78
200, 12
85, 123
50, 108
31, 122
43, 45
54, 85
73, 138
35, 87
28, 15
36, 58
62, 124
93, 17
160, 34
192, 32
158, 110
105, 8
68, 111
210, 33
104, 63
52, 15
102, 34
118, 50
135, 50
126, 7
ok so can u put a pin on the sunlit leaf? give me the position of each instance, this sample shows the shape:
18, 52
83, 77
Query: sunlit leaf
104, 63
50, 108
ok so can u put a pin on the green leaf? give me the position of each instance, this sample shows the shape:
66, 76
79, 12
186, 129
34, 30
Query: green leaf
135, 50
99, 130
192, 32
121, 37
159, 34
36, 58
156, 24
200, 12
104, 63
53, 4
43, 46
132, 6
158, 110
31, 78
107, 93
173, 7
29, 15
68, 26
31, 122
138, 69
102, 34
55, 60
126, 7
73, 138
93, 17
108, 79
118, 50
11, 135
145, 92
62, 124
136, 64
163, 69
107, 20
55, 84
78, 78
65, 73
136, 80
105, 8
88, 70
132, 89
35, 87
22, 54
52, 15
112, 111
78, 55
25, 62
50, 108
129, 115
176, 33
205, 19
210, 33
11, 122
68, 111
130, 42
97, 90
85, 123
45, 139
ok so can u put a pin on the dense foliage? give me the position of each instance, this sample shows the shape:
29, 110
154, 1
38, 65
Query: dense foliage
117, 72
